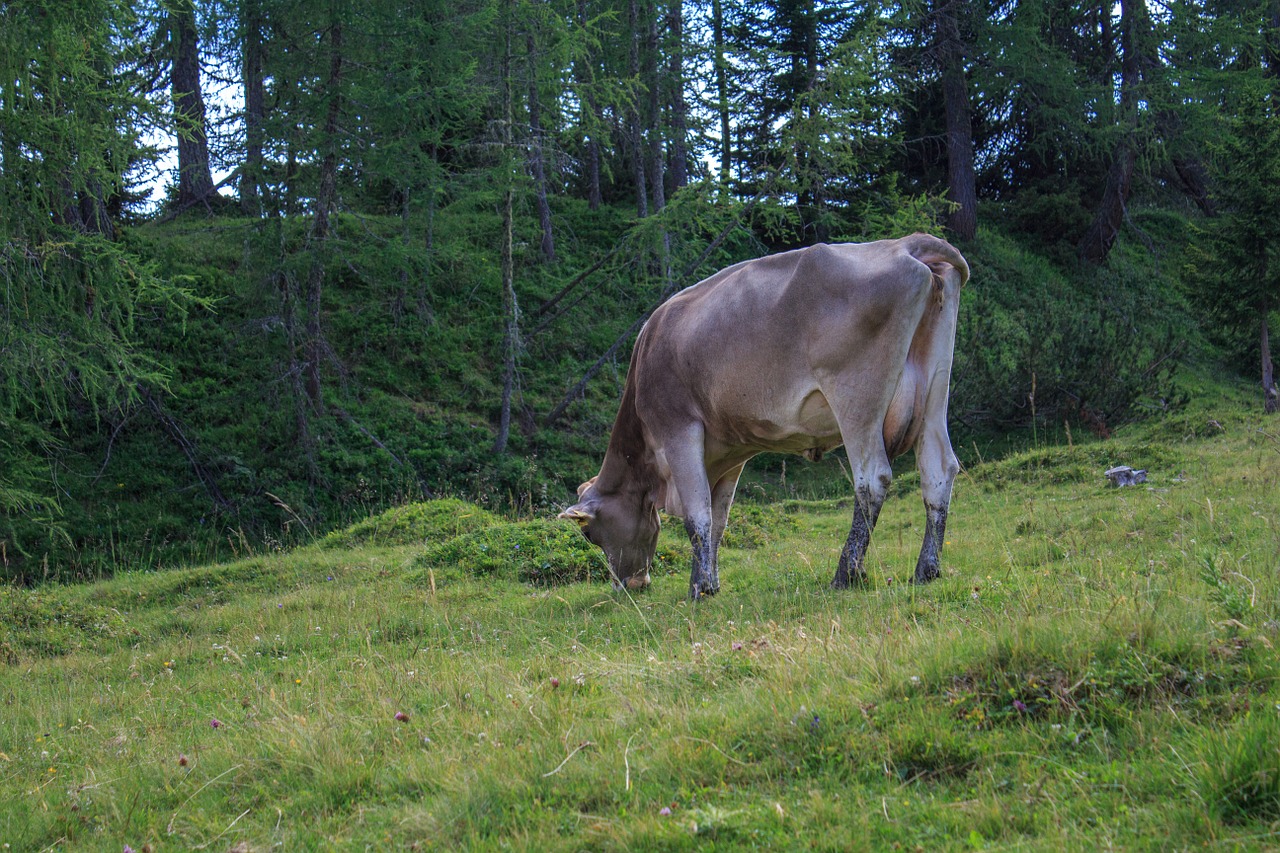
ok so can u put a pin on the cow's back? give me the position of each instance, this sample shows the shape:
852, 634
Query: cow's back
748, 347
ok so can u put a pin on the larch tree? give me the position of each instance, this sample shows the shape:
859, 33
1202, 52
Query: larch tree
72, 295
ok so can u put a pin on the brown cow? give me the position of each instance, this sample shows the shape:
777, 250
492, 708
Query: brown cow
798, 352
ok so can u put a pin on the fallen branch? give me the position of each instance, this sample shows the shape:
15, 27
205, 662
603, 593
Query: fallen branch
581, 277
346, 416
174, 429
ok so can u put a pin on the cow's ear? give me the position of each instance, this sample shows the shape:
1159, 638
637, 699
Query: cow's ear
587, 485
581, 513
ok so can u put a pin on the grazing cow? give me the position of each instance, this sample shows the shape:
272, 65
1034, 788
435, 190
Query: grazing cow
798, 352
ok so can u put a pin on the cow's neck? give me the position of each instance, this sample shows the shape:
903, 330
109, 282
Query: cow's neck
628, 463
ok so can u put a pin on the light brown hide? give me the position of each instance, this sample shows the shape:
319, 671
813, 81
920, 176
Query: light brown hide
797, 352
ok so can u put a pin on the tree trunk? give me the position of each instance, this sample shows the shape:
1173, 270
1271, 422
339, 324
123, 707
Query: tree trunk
657, 154
195, 182
1271, 395
636, 129
538, 161
679, 111
591, 116
1102, 233
255, 101
722, 89
961, 184
510, 308
326, 196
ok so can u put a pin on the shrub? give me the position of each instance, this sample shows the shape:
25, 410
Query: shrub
1036, 340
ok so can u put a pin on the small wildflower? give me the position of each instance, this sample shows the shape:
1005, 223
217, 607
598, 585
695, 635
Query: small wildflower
664, 811
183, 761
1017, 703
216, 723
297, 681
555, 682
402, 717
737, 646
128, 849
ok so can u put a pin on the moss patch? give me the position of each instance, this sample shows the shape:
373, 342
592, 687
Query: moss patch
430, 522
45, 626
541, 552
756, 525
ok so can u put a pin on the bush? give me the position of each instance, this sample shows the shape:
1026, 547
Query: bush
1037, 340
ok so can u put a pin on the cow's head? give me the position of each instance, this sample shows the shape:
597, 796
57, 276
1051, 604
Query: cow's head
624, 525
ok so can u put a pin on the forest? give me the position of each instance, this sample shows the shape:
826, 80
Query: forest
267, 266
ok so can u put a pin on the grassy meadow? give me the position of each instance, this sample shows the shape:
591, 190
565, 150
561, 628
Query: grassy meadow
1096, 668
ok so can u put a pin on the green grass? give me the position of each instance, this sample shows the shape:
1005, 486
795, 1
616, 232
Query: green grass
1096, 668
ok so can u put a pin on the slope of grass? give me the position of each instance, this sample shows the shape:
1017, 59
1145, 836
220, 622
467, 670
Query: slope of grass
1096, 668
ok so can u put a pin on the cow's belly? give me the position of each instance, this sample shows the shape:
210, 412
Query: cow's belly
806, 427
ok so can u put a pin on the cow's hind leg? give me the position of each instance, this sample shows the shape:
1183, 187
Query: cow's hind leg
938, 469
721, 500
871, 477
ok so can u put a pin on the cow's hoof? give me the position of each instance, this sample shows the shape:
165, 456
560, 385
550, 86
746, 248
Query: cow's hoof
702, 591
847, 581
925, 574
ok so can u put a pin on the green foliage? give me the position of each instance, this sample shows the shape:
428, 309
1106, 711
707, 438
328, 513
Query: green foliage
73, 297
1037, 340
539, 552
413, 524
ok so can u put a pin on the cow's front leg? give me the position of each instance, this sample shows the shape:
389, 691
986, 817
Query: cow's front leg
684, 455
871, 483
702, 580
938, 469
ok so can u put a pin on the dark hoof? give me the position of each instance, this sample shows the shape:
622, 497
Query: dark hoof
847, 582
703, 591
925, 575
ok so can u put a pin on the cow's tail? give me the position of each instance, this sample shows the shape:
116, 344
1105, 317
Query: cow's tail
939, 255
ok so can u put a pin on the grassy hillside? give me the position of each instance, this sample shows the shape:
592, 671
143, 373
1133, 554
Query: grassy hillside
1096, 668
233, 455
